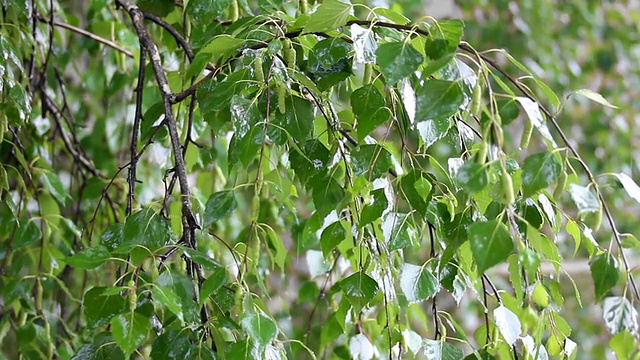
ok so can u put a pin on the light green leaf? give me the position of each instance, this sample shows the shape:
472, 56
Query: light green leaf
594, 96
203, 11
490, 243
418, 201
619, 314
629, 186
331, 15
219, 205
130, 330
397, 60
604, 272
259, 327
539, 171
54, 186
417, 283
89, 258
532, 109
585, 199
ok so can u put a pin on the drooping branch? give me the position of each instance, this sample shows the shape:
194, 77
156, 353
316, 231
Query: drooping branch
148, 45
614, 229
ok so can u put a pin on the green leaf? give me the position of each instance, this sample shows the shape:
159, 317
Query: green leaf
585, 198
604, 272
113, 237
399, 232
444, 39
205, 11
331, 236
89, 258
213, 283
397, 60
417, 283
219, 205
330, 62
371, 161
102, 348
54, 186
473, 177
416, 199
327, 193
203, 259
438, 99
594, 96
313, 159
172, 344
370, 109
359, 289
244, 149
297, 121
441, 350
221, 47
373, 211
27, 233
490, 243
99, 308
215, 96
175, 291
259, 327
331, 15
539, 171
130, 330
147, 229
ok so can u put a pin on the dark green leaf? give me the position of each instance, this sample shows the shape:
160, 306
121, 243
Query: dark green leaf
331, 15
359, 289
215, 96
172, 345
330, 62
145, 228
313, 159
130, 330
161, 8
218, 206
113, 237
27, 233
473, 177
205, 11
203, 259
16, 289
373, 211
213, 283
417, 283
370, 109
331, 236
408, 184
102, 348
604, 272
398, 60
539, 171
99, 308
490, 243
438, 99
245, 149
297, 121
327, 193
89, 258
175, 291
371, 161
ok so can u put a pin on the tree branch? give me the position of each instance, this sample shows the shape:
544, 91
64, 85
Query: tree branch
148, 45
